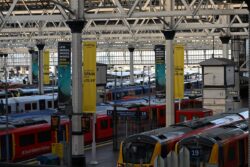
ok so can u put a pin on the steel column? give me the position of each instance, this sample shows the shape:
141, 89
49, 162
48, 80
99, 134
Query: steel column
131, 51
40, 47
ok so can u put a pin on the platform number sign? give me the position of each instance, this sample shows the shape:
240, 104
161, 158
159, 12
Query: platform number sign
195, 152
85, 123
55, 122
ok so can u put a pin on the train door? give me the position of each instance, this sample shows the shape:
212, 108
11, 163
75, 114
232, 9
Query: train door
42, 105
3, 152
241, 153
230, 153
102, 128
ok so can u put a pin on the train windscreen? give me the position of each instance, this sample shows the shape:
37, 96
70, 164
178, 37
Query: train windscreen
199, 150
137, 152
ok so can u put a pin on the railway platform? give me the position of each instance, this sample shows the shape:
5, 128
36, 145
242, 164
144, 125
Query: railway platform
105, 155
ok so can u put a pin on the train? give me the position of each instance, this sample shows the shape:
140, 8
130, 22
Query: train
224, 146
190, 109
141, 90
120, 92
145, 148
30, 134
29, 103
27, 129
26, 91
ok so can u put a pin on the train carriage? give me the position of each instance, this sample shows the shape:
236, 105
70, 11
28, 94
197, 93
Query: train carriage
148, 146
224, 146
28, 103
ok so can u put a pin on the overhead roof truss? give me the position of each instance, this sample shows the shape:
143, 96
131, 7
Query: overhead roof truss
117, 23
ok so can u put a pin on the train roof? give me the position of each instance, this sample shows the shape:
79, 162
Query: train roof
27, 119
243, 112
35, 90
195, 110
219, 134
103, 108
175, 130
29, 98
167, 132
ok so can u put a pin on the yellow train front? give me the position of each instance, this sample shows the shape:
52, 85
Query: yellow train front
139, 151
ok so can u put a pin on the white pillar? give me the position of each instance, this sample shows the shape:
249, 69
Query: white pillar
76, 25
40, 47
169, 36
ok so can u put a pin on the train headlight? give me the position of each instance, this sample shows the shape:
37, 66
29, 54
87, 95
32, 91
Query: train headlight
120, 165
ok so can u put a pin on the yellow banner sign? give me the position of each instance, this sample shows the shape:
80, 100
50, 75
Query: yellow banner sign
46, 67
57, 149
179, 71
89, 76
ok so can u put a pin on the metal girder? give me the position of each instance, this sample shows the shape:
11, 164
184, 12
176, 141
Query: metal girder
169, 14
133, 15
7, 15
149, 27
120, 20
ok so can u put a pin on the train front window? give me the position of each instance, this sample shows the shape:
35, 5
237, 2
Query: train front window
137, 152
199, 153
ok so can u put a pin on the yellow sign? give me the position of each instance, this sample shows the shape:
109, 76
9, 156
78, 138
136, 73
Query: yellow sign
179, 71
89, 76
57, 149
46, 67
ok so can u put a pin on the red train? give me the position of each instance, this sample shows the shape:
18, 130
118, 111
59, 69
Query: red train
144, 149
222, 147
29, 141
190, 109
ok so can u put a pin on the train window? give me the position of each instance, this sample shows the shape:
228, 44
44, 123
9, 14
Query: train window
27, 106
49, 104
42, 104
183, 118
162, 113
137, 152
104, 124
25, 140
195, 117
34, 106
44, 136
231, 154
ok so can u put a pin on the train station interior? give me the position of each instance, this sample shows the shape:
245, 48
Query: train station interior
124, 83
